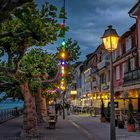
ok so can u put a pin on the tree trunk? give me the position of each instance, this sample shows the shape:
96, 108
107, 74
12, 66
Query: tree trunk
44, 108
47, 105
41, 106
29, 116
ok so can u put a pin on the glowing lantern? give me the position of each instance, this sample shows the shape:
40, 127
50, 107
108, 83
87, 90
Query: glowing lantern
62, 79
62, 67
63, 25
63, 55
110, 39
63, 43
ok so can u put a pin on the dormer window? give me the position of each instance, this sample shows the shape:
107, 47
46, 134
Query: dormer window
128, 43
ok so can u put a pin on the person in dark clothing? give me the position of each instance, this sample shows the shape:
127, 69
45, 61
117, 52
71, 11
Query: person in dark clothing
57, 106
67, 106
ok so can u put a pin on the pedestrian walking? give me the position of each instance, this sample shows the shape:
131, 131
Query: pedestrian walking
67, 106
56, 108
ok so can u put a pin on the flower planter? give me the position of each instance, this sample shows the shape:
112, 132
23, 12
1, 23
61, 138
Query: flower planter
131, 128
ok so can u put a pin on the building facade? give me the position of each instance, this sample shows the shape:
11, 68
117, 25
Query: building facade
94, 72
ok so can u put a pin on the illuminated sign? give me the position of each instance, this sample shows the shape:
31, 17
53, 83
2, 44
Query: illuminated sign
73, 92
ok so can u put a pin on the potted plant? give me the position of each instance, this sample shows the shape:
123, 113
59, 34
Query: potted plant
130, 119
103, 119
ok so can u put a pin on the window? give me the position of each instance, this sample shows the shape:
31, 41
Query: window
128, 43
132, 64
108, 75
123, 49
120, 49
118, 52
117, 72
124, 69
103, 78
113, 54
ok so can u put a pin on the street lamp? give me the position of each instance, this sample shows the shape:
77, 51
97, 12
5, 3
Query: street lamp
110, 40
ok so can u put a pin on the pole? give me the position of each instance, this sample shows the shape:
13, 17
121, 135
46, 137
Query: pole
112, 123
64, 105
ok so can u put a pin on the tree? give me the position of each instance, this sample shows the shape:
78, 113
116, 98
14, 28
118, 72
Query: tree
7, 6
27, 27
39, 65
130, 113
73, 53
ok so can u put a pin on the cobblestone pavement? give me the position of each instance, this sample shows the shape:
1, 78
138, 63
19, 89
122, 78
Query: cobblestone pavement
101, 130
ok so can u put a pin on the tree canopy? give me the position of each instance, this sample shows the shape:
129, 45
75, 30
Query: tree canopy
7, 6
26, 27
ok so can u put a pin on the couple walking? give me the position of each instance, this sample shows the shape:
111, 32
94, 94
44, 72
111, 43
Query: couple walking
58, 108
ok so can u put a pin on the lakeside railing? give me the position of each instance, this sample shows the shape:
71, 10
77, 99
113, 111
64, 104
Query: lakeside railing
6, 114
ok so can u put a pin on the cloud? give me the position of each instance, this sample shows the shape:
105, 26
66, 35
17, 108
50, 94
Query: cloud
88, 19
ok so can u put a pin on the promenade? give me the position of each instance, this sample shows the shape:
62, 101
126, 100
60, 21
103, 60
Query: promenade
65, 130
74, 127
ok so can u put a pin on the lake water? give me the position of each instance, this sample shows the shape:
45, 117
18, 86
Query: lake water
10, 105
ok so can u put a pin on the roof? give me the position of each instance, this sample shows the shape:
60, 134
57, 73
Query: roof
78, 63
135, 9
127, 33
89, 55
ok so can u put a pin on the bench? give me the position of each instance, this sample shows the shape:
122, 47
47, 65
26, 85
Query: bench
52, 121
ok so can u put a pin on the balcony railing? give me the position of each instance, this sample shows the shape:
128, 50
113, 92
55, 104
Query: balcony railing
103, 63
6, 114
132, 77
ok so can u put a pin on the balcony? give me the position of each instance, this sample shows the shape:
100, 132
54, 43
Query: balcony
103, 64
132, 78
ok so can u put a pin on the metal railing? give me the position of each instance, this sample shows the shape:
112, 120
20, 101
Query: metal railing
132, 77
85, 110
6, 114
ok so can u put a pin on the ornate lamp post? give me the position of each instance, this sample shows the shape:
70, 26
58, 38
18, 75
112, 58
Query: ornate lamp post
110, 40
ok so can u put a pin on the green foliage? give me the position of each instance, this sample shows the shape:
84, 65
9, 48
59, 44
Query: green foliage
130, 119
29, 26
8, 6
34, 84
38, 65
73, 53
49, 95
71, 73
10, 87
72, 49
